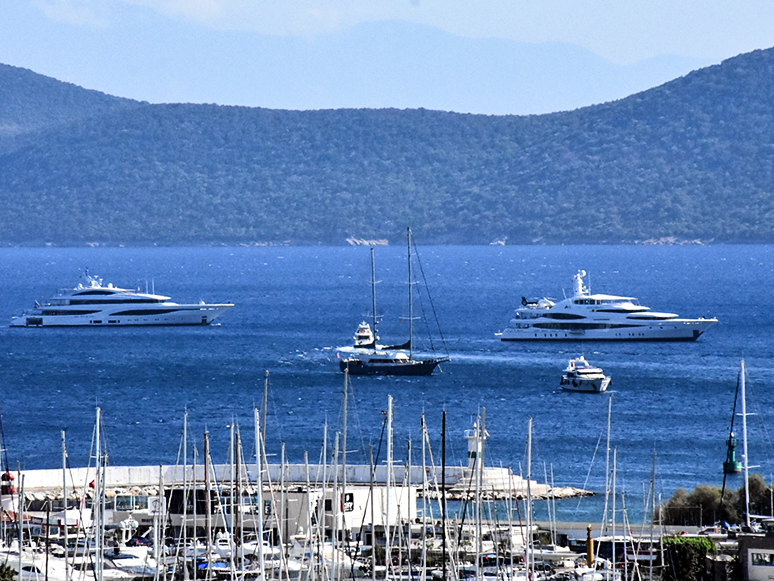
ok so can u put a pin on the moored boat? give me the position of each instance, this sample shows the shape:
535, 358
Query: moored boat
600, 317
96, 304
581, 376
367, 357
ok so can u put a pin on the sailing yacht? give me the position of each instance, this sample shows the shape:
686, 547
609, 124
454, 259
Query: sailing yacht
367, 357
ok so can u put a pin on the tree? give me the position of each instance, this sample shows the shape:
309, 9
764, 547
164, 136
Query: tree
703, 505
685, 557
6, 573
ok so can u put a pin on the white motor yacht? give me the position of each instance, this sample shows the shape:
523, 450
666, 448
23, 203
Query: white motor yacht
581, 375
598, 317
96, 304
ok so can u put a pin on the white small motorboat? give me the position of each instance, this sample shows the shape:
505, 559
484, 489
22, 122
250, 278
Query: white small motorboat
581, 375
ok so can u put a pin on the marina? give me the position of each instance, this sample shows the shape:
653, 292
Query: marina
260, 520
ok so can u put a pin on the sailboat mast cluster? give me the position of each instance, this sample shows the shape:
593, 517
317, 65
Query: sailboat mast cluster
257, 520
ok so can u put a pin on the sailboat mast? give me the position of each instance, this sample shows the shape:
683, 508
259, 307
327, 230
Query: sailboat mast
64, 501
443, 491
410, 296
21, 524
744, 443
207, 501
408, 506
652, 495
344, 439
185, 492
373, 518
528, 552
615, 461
388, 548
310, 534
423, 571
193, 511
373, 296
323, 510
263, 409
335, 511
478, 513
237, 533
230, 527
96, 504
156, 529
259, 486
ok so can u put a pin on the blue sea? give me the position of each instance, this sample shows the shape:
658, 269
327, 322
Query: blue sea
293, 306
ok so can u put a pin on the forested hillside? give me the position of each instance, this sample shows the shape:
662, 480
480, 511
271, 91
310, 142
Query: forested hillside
29, 101
692, 159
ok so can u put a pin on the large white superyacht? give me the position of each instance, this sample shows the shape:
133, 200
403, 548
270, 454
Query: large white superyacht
598, 317
96, 304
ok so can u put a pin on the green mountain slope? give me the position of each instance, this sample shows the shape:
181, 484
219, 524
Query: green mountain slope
29, 101
691, 159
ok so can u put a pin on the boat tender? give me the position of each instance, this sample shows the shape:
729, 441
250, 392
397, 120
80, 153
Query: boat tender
580, 375
98, 305
586, 316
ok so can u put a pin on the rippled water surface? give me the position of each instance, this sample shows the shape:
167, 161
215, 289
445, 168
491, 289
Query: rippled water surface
295, 305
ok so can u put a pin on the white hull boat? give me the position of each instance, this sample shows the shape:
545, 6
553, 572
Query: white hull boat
96, 305
598, 317
581, 376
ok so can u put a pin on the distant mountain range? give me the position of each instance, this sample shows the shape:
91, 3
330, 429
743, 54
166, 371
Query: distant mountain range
692, 159
374, 65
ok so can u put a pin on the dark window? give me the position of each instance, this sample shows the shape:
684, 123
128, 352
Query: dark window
143, 312
563, 316
120, 301
579, 326
57, 312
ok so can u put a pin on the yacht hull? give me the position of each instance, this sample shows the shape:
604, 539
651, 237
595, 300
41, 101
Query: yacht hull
585, 385
674, 330
112, 317
411, 367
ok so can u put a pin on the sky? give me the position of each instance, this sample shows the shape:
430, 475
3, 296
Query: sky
154, 49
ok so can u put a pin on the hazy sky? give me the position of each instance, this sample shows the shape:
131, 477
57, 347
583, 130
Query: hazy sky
621, 31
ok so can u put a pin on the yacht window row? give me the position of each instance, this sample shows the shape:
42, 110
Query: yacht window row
581, 326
